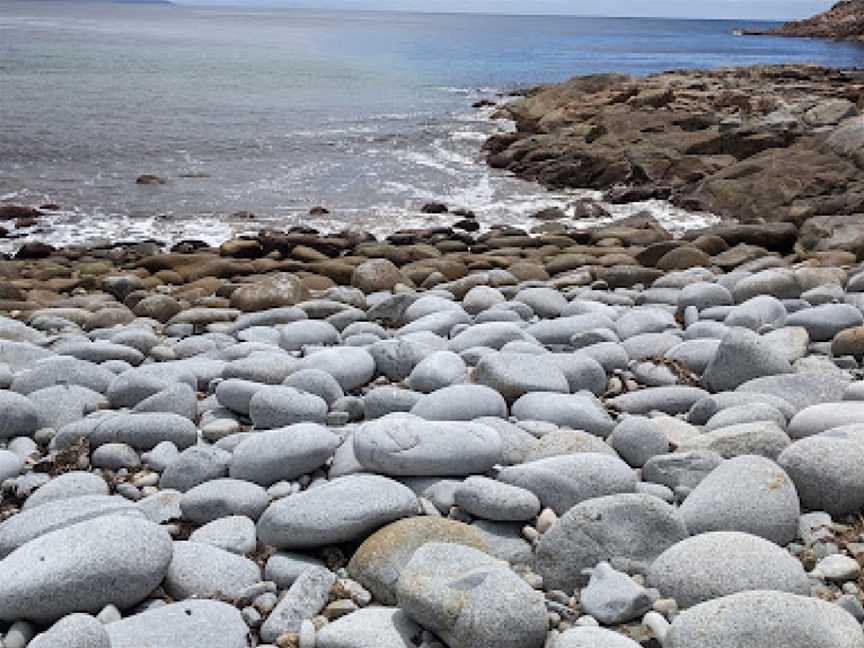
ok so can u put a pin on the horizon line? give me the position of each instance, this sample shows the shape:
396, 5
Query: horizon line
266, 5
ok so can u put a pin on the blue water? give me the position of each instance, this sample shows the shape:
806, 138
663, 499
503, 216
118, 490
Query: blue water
275, 111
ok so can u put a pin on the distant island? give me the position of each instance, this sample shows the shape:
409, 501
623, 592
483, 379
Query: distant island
843, 21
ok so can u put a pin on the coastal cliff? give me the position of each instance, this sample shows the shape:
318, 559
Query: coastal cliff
845, 20
764, 143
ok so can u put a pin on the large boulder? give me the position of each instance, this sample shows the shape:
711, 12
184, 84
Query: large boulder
710, 565
342, 510
633, 526
378, 562
749, 493
562, 482
758, 619
471, 600
188, 624
120, 560
406, 445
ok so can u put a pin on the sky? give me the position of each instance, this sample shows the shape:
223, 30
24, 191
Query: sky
737, 9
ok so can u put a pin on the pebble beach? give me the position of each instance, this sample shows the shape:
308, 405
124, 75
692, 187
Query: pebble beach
627, 414
606, 438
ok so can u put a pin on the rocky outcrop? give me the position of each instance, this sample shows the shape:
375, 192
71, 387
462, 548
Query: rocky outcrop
845, 21
764, 143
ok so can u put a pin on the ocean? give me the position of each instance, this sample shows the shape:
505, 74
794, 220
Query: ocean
276, 111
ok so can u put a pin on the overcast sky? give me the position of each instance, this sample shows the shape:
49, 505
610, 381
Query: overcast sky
740, 9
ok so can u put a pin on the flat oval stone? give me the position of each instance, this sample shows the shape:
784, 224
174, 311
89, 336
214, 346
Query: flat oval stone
562, 482
188, 624
51, 516
710, 565
758, 619
199, 570
633, 526
407, 445
460, 403
342, 510
121, 560
275, 455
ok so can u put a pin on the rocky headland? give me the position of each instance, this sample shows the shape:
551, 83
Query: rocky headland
765, 144
843, 21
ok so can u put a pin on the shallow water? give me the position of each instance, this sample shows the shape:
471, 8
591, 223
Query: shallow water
367, 114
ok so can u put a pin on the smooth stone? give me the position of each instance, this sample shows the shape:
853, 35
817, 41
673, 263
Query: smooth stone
637, 438
295, 335
561, 329
761, 438
285, 567
62, 370
587, 637
72, 484
382, 401
115, 456
220, 498
200, 570
352, 367
235, 533
162, 506
63, 404
471, 600
826, 473
382, 557
610, 355
749, 494
28, 525
580, 411
188, 624
194, 466
266, 367
144, 431
581, 371
669, 400
564, 442
758, 619
757, 312
460, 403
800, 390
825, 416
515, 374
121, 559
742, 356
277, 407
235, 394
750, 413
284, 454
562, 482
711, 565
342, 510
695, 355
73, 631
438, 370
303, 600
370, 628
633, 526
824, 322
493, 500
20, 416
178, 399
407, 445
612, 597
791, 342
705, 409
492, 335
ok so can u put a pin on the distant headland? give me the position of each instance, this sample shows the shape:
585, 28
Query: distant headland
843, 21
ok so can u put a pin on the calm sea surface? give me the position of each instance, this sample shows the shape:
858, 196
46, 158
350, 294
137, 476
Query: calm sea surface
276, 111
